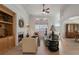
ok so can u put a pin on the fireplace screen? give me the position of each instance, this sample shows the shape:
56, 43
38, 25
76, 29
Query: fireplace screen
20, 36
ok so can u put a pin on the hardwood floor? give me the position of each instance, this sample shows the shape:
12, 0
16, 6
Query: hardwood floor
69, 47
66, 47
42, 50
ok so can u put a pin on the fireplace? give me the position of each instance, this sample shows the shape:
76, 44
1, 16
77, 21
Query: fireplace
20, 36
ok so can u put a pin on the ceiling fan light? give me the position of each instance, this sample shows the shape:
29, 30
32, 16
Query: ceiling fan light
47, 11
43, 10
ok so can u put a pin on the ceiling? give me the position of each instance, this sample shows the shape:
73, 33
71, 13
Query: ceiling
56, 10
36, 9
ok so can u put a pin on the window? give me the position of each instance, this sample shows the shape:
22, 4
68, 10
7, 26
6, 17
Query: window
39, 27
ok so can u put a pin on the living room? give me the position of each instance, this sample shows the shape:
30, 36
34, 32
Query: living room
33, 18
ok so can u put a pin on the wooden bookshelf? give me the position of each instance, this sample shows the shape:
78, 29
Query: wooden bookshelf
6, 22
7, 29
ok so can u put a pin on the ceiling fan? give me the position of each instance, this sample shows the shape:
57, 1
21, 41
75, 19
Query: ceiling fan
45, 10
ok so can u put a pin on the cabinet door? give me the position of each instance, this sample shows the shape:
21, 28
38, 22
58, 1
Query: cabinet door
11, 42
1, 45
5, 44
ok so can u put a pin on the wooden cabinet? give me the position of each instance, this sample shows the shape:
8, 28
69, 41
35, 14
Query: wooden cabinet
7, 29
11, 42
71, 30
1, 46
6, 43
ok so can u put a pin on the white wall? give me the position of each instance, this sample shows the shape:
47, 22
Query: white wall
32, 23
20, 12
52, 20
69, 12
55, 20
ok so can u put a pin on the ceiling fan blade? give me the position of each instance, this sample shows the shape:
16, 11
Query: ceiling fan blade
47, 11
47, 8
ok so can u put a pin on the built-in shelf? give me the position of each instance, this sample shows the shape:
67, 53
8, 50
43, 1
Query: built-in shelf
6, 22
6, 36
7, 29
